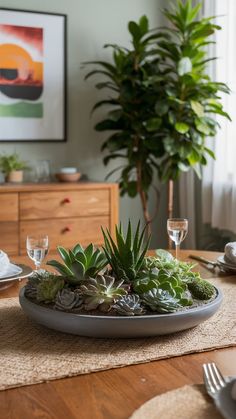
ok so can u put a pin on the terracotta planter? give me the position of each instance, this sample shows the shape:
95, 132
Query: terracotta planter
16, 176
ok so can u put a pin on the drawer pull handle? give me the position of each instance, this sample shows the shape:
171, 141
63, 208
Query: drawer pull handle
66, 201
66, 230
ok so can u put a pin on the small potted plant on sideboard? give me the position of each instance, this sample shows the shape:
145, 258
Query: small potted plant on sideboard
12, 167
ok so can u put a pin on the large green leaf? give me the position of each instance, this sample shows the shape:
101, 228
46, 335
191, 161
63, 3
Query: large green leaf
143, 25
184, 66
161, 108
202, 126
197, 108
153, 124
135, 31
194, 157
182, 127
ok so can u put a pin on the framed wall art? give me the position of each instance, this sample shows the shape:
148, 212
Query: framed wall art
32, 76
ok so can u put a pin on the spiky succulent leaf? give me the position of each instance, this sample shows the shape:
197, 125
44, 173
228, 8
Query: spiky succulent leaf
126, 256
89, 251
62, 269
65, 255
78, 269
101, 291
77, 248
129, 305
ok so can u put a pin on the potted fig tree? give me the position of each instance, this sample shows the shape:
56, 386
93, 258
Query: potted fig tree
161, 103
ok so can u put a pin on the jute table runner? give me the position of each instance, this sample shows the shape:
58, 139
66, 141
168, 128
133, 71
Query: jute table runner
32, 354
184, 403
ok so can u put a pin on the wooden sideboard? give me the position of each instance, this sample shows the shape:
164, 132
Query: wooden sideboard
68, 212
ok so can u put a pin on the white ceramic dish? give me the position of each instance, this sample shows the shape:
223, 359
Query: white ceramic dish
68, 170
119, 326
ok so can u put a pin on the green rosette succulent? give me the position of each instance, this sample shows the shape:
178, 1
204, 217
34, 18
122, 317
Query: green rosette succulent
129, 305
163, 280
160, 301
101, 292
173, 267
67, 299
79, 263
48, 288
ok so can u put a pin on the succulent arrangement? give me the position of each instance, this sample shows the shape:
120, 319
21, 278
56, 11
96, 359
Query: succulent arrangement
119, 280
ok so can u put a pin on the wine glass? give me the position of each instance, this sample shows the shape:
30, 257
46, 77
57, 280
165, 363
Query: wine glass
37, 249
177, 229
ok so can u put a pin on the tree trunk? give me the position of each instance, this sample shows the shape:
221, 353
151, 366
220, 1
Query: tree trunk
143, 198
170, 205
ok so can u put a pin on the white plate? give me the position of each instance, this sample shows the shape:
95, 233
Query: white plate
25, 272
13, 270
225, 263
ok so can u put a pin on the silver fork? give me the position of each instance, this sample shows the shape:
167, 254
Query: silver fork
213, 379
220, 390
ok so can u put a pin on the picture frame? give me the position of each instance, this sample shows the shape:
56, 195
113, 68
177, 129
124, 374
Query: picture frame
33, 76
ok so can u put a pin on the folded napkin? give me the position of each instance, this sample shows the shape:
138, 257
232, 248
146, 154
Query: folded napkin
4, 263
230, 252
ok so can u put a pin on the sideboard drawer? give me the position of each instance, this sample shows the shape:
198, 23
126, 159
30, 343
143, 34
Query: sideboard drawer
8, 207
43, 205
65, 232
9, 238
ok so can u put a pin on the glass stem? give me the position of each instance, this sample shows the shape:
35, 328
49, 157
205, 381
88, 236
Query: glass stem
177, 246
37, 266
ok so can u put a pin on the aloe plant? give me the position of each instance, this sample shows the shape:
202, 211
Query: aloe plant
79, 263
126, 256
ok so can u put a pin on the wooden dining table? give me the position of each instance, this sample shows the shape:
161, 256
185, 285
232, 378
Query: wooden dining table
114, 393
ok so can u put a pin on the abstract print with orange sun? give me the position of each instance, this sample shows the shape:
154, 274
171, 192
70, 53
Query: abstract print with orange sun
21, 71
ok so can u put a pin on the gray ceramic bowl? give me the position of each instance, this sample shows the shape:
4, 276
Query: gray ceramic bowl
119, 326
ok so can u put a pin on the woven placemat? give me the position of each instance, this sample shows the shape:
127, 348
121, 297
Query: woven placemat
184, 403
32, 354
